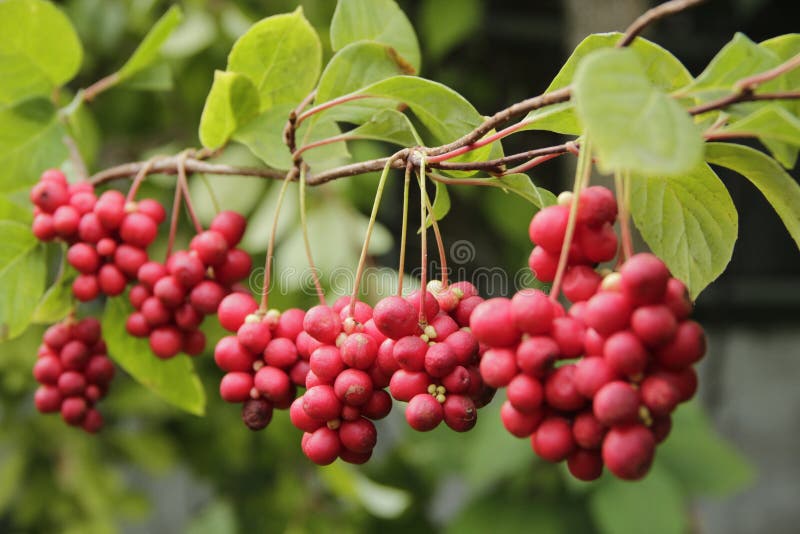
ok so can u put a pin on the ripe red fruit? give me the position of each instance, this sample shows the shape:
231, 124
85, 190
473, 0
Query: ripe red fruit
138, 229
151, 272
560, 390
231, 225
65, 221
137, 326
235, 387
71, 383
187, 318
326, 362
532, 312
43, 227
585, 465
517, 423
568, 332
210, 246
592, 373
194, 342
152, 209
498, 367
661, 427
74, 355
626, 355
660, 395
91, 230
322, 446
256, 413
654, 325
236, 267
525, 393
580, 283
111, 280
405, 385
443, 326
206, 296
85, 287
273, 383
49, 195
233, 309
320, 402
359, 350
395, 317
155, 312
596, 206
93, 421
169, 292
99, 370
47, 399
440, 360
54, 175
548, 227
129, 259
110, 209
353, 387
677, 299
47, 369
597, 244
460, 413
84, 258
290, 323
492, 323
57, 336
607, 312
230, 355
424, 412
458, 380
87, 330
628, 451
644, 279
616, 403
588, 431
166, 341
255, 336
543, 264
685, 381
553, 440
536, 355
358, 436
409, 353
688, 346
378, 406
300, 419
464, 310
280, 352
73, 410
186, 268
323, 324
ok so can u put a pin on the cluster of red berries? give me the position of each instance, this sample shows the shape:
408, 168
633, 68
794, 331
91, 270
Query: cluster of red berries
172, 299
594, 241
635, 348
107, 235
74, 372
433, 358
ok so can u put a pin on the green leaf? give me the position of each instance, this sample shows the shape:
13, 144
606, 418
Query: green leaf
374, 20
439, 39
689, 221
31, 140
441, 204
353, 67
281, 55
390, 126
148, 51
653, 505
378, 499
264, 137
39, 50
663, 70
157, 77
786, 47
738, 59
700, 459
778, 129
777, 186
218, 517
57, 301
231, 102
633, 125
521, 184
13, 211
174, 380
22, 276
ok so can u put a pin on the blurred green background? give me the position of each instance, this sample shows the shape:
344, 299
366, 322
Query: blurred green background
729, 466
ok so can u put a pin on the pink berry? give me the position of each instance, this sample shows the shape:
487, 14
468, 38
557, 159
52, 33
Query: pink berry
654, 325
111, 280
91, 230
458, 380
616, 403
151, 272
492, 323
607, 312
73, 410
84, 258
326, 362
71, 383
231, 225
498, 367
99, 370
569, 332
300, 419
256, 336
560, 390
460, 413
49, 195
322, 446
321, 403
155, 312
74, 355
596, 206
110, 209
85, 287
626, 355
235, 387
580, 283
517, 423
152, 209
525, 393
585, 465
65, 221
166, 341
543, 264
687, 347
464, 310
677, 299
187, 318
236, 267
409, 353
592, 373
537, 354
378, 406
660, 395
47, 369
83, 201
395, 317
628, 451
597, 244
353, 387
137, 326
322, 323
206, 296
290, 324
138, 230
440, 360
210, 246
230, 355
47, 399
87, 330
548, 227
186, 268
359, 350
358, 436
532, 312
464, 346
43, 227
273, 383
233, 309
129, 259
644, 279
588, 431
405, 385
553, 440
93, 421
424, 412
169, 292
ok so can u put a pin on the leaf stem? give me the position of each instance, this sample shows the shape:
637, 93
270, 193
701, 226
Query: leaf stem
652, 15
439, 241
306, 242
329, 104
103, 84
140, 176
487, 140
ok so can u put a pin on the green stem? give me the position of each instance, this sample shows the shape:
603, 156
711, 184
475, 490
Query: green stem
306, 241
402, 262
211, 194
423, 217
271, 246
439, 240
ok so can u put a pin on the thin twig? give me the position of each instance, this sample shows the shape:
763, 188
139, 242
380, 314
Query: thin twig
652, 15
103, 84
75, 157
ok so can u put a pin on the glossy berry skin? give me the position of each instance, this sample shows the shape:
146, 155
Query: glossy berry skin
409, 353
235, 387
491, 323
580, 283
280, 352
517, 423
616, 403
207, 296
358, 436
359, 350
230, 355
543, 264
231, 225
236, 267
585, 465
628, 451
560, 391
73, 410
588, 431
395, 317
660, 395
548, 227
440, 360
326, 362
323, 324
84, 258
525, 393
687, 347
322, 446
210, 246
85, 287
404, 385
532, 312
233, 309
138, 229
596, 206
47, 399
49, 195
353, 387
498, 367
626, 354
644, 279
607, 312
166, 341
424, 412
321, 403
536, 355
460, 413
553, 440
273, 383
654, 325
591, 374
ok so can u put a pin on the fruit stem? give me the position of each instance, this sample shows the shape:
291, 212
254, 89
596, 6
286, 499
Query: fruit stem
439, 241
140, 176
306, 242
271, 246
622, 185
173, 221
582, 174
184, 184
423, 231
402, 262
211, 194
362, 261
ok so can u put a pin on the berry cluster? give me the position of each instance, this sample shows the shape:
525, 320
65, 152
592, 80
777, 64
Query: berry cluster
172, 299
635, 348
107, 235
594, 241
74, 372
433, 366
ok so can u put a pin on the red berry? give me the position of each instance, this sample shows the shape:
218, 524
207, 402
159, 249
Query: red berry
255, 336
321, 403
378, 406
532, 312
47, 369
206, 296
424, 412
326, 362
443, 326
93, 421
525, 393
137, 326
110, 209
688, 346
194, 342
150, 273
492, 323
537, 354
43, 227
588, 431
57, 336
322, 446
235, 387
210, 247
585, 465
99, 370
431, 304
230, 355
660, 395
517, 423
677, 299
353, 387
548, 227
543, 264
644, 279
85, 287
155, 312
233, 309
498, 367
91, 230
460, 412
596, 206
560, 390
280, 352
138, 229
580, 283
231, 225
322, 323
607, 312
553, 440
152, 209
409, 353
359, 350
568, 332
83, 201
111, 280
300, 419
592, 373
187, 318
256, 413
464, 346
71, 383
166, 341
616, 403
597, 244
73, 410
661, 427
358, 436
236, 267
273, 383
654, 325
65, 221
395, 317
74, 355
47, 399
628, 451
626, 355
54, 175
685, 381
405, 385
87, 330
440, 360
129, 259
186, 268
169, 291
49, 195
290, 324
464, 310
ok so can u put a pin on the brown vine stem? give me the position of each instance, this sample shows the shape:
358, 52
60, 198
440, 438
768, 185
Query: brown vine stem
652, 15
535, 162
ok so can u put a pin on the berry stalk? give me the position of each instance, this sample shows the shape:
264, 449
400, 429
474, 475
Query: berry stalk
423, 231
271, 246
184, 185
306, 242
622, 185
402, 261
439, 241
